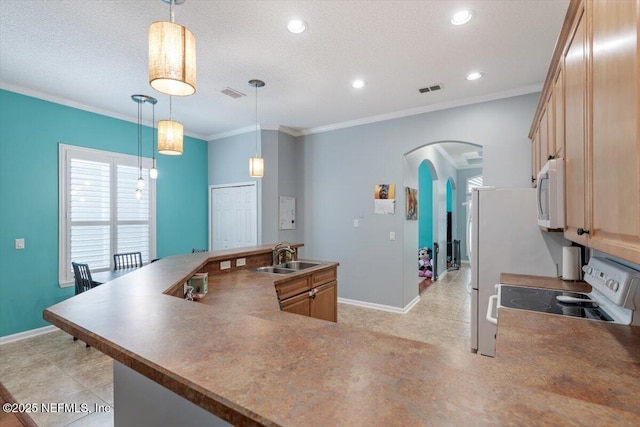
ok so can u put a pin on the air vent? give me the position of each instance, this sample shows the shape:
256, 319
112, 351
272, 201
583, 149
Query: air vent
430, 88
232, 93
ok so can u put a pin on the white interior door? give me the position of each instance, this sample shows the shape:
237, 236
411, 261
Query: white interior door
233, 216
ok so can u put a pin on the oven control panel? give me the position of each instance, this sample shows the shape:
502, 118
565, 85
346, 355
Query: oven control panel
615, 281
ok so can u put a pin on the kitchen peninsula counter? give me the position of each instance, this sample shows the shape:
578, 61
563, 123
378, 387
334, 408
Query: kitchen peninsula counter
236, 355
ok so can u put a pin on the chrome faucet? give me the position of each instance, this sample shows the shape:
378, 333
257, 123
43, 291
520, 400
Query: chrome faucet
283, 252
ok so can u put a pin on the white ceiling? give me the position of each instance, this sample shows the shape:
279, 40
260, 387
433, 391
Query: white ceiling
93, 55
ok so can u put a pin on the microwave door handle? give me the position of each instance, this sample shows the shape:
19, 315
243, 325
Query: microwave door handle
541, 177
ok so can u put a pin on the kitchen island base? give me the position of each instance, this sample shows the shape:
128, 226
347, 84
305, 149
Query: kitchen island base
139, 401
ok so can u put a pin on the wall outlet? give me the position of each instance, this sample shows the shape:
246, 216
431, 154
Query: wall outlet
19, 243
240, 262
392, 235
225, 265
356, 223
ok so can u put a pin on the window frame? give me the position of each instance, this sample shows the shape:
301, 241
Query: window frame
65, 154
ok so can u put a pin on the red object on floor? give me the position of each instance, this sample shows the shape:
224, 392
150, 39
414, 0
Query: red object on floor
422, 286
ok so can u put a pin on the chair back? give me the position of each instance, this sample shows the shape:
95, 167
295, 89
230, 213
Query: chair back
195, 250
127, 260
82, 276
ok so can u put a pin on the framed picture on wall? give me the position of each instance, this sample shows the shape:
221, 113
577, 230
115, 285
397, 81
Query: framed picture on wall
411, 196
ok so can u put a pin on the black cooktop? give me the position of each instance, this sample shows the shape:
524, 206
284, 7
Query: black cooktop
544, 301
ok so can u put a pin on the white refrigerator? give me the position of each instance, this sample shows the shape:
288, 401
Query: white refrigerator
505, 238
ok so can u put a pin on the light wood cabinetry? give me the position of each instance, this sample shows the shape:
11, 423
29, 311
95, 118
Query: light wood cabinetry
615, 143
314, 295
535, 157
593, 80
575, 62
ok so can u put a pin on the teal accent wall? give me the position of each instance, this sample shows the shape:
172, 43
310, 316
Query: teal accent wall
425, 206
30, 131
449, 197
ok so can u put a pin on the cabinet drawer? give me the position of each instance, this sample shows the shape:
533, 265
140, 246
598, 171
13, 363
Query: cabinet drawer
293, 287
324, 276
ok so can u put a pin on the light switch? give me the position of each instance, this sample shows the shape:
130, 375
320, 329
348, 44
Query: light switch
19, 243
356, 223
392, 235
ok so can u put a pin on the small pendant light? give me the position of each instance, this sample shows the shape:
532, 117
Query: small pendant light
172, 56
256, 164
141, 99
153, 172
170, 136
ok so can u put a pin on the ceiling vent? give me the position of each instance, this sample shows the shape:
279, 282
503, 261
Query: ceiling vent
430, 88
235, 94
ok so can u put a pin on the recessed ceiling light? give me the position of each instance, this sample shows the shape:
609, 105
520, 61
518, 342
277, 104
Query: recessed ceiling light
462, 17
296, 26
359, 84
474, 76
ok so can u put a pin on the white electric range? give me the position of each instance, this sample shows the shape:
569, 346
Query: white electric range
613, 298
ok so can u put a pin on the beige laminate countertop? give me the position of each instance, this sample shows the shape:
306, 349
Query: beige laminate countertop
236, 355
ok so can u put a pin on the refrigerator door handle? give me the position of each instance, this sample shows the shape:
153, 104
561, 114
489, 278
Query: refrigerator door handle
491, 319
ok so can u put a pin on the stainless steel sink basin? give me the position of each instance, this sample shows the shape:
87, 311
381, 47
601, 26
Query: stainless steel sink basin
287, 267
275, 269
299, 265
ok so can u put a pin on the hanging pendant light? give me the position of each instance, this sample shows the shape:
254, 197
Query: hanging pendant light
170, 135
172, 56
141, 99
256, 164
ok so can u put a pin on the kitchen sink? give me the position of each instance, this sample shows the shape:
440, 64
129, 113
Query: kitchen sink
287, 267
299, 265
275, 269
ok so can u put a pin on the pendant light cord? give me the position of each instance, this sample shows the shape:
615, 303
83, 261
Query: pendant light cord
139, 140
172, 13
153, 135
256, 86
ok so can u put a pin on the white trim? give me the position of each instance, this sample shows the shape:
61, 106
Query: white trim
68, 103
249, 129
387, 308
425, 109
27, 334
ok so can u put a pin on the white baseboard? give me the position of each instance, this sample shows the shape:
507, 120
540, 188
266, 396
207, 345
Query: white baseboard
27, 334
382, 307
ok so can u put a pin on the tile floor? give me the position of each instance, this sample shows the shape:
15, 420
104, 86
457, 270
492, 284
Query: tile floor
54, 368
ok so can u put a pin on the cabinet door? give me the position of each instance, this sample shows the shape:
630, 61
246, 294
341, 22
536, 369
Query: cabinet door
544, 138
575, 188
558, 110
535, 157
615, 227
298, 304
325, 303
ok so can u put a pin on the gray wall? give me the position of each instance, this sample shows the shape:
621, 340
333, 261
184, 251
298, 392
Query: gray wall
341, 167
462, 196
229, 163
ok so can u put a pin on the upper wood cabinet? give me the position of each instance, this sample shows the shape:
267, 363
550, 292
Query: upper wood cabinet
615, 142
593, 88
575, 63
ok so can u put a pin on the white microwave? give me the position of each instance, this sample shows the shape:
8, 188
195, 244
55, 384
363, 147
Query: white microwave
550, 194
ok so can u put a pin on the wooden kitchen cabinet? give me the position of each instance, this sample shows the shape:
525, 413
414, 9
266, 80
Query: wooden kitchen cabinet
558, 114
615, 136
575, 65
314, 295
323, 304
544, 138
535, 157
593, 80
299, 304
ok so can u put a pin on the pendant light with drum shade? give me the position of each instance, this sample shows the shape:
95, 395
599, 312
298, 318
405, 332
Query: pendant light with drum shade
256, 164
172, 56
141, 99
170, 135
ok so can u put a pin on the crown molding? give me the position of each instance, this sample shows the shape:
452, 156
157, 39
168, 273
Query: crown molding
426, 109
248, 129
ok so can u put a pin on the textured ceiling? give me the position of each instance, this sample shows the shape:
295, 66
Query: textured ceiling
93, 54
